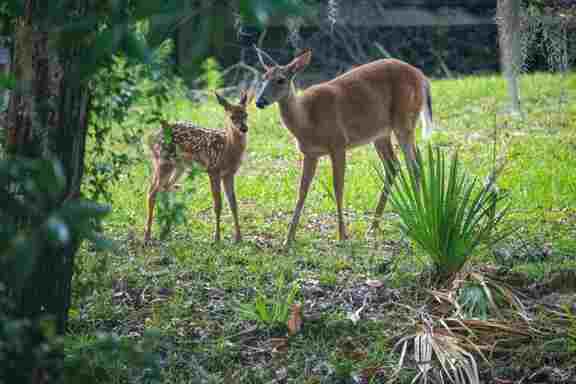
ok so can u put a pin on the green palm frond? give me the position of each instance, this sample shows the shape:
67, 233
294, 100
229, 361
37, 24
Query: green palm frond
445, 210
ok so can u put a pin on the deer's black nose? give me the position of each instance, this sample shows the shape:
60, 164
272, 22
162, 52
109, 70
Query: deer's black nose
261, 103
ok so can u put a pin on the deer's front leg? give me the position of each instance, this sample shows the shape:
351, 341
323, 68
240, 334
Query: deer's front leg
231, 197
338, 159
215, 182
308, 171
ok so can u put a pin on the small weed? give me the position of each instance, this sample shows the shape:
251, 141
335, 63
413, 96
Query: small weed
272, 312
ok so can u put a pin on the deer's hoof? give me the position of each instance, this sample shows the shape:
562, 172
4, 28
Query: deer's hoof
147, 241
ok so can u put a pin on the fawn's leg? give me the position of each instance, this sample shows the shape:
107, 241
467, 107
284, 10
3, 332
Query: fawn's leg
338, 159
390, 162
174, 177
162, 171
308, 171
231, 196
215, 181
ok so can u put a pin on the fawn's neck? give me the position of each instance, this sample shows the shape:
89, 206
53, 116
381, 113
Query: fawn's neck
235, 144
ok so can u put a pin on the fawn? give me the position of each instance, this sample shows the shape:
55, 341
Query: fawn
177, 146
364, 105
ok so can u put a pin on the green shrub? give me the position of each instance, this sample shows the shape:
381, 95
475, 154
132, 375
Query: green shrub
30, 350
211, 76
275, 311
446, 211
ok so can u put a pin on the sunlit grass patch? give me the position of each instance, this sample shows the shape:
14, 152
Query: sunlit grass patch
191, 288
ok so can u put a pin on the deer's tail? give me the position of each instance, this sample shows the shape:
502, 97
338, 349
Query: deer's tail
426, 112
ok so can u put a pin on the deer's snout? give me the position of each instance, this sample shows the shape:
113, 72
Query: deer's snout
261, 102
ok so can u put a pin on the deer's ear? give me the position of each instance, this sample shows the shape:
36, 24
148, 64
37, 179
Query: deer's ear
300, 61
222, 101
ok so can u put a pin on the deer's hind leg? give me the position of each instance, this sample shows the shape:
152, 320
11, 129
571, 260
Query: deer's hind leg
389, 161
215, 186
174, 177
405, 131
338, 159
162, 171
231, 197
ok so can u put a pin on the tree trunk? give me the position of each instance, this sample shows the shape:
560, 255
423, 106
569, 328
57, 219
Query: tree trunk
47, 118
508, 17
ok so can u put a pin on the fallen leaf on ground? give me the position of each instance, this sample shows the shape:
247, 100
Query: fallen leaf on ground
295, 320
374, 283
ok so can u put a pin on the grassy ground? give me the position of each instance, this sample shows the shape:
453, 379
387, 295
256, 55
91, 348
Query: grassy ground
192, 290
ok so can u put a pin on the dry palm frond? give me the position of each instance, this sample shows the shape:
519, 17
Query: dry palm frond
492, 335
438, 354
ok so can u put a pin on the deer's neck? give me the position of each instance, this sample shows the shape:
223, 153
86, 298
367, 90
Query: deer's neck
292, 113
234, 137
234, 150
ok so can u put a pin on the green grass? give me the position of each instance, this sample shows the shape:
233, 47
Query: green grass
191, 289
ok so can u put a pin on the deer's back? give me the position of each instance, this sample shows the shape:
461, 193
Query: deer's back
190, 143
364, 103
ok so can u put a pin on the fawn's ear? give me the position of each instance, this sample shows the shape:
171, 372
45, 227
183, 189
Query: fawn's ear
300, 61
222, 101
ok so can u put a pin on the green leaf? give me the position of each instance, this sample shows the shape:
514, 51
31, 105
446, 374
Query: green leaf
7, 81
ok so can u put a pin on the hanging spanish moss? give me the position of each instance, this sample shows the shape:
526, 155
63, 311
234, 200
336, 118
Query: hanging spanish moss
333, 12
293, 24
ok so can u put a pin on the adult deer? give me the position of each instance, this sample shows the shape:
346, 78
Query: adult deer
219, 152
364, 105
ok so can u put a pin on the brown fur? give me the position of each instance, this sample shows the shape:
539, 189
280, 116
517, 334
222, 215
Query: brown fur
218, 152
364, 105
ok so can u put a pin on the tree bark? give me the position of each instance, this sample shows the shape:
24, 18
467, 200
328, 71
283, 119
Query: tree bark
508, 17
47, 118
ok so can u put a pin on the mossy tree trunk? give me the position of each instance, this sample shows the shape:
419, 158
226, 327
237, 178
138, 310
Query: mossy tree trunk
47, 118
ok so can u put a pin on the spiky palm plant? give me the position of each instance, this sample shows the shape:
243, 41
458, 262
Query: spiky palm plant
445, 210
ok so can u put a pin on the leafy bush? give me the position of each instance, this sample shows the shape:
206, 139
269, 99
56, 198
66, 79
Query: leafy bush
109, 358
272, 312
170, 213
211, 77
446, 211
30, 351
33, 189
